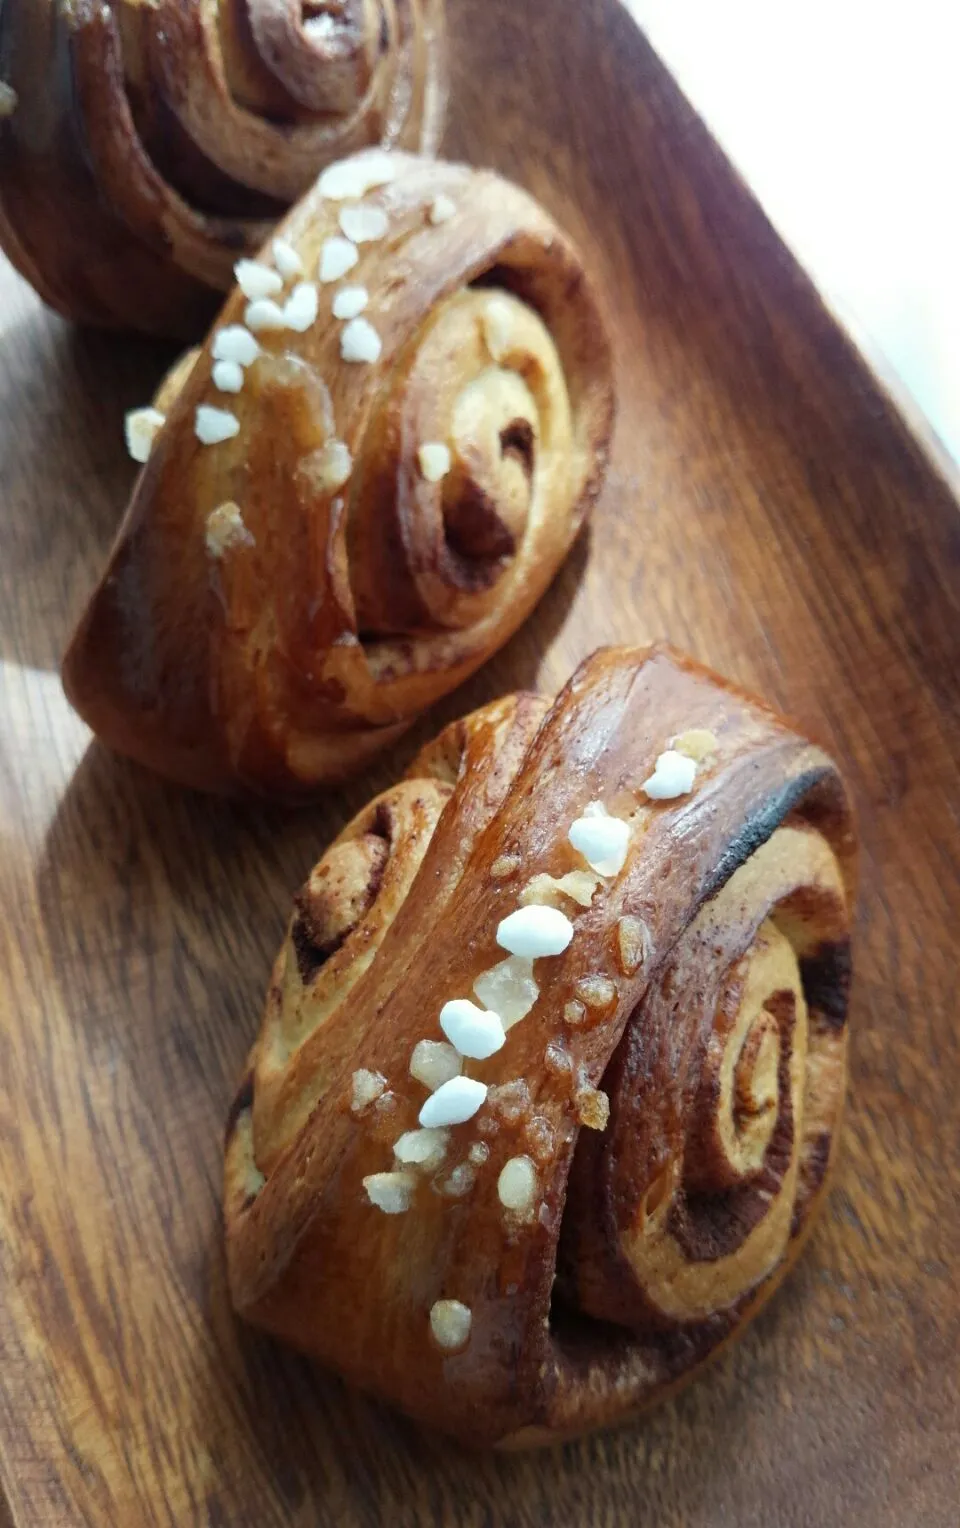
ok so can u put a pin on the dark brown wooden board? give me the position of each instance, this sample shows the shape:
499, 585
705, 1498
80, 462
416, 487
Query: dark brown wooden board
766, 509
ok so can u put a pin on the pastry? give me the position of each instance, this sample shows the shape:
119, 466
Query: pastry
553, 1059
143, 147
357, 489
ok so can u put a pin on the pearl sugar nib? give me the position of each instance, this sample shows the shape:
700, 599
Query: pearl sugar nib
509, 989
335, 465
697, 743
350, 302
141, 428
256, 280
453, 1103
460, 1181
602, 840
264, 314
366, 1088
360, 342
390, 1192
473, 1031
517, 1184
286, 259
215, 425
534, 932
421, 1148
364, 225
227, 376
336, 258
435, 460
450, 1323
673, 775
301, 307
349, 179
434, 1062
235, 343
225, 530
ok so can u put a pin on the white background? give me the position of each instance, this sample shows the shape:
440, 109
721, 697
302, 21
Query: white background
844, 116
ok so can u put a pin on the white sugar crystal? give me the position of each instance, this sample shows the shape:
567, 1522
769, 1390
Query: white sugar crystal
225, 529
434, 1062
214, 425
633, 943
235, 343
545, 890
450, 1323
510, 1100
320, 27
360, 342
367, 1088
141, 428
349, 302
443, 209
350, 179
673, 775
473, 1031
286, 259
593, 1108
227, 376
256, 280
517, 1184
535, 932
460, 1181
264, 314
301, 307
335, 465
435, 460
602, 840
342, 180
596, 991
378, 169
453, 1103
421, 1148
390, 1192
580, 885
497, 327
337, 256
478, 1153
364, 224
698, 743
509, 989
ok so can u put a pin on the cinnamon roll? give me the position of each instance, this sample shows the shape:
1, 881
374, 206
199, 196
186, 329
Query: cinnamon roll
552, 1065
357, 489
143, 147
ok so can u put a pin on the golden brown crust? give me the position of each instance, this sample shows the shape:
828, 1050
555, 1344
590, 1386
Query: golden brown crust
339, 612
701, 1002
150, 145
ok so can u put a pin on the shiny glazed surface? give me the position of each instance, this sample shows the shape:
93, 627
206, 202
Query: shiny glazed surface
765, 510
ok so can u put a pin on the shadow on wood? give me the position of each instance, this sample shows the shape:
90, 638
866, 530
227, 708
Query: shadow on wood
767, 509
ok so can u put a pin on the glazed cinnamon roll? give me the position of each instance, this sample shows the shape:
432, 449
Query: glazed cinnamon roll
553, 1060
143, 147
357, 489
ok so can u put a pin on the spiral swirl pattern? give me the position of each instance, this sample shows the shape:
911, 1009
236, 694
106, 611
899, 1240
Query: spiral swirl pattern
351, 602
168, 138
672, 1090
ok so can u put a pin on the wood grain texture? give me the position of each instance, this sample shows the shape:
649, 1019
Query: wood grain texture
767, 510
